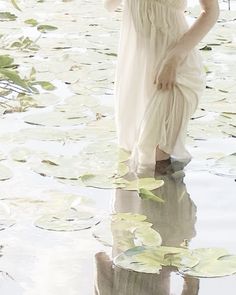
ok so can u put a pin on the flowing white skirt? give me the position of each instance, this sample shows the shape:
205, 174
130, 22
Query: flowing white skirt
145, 116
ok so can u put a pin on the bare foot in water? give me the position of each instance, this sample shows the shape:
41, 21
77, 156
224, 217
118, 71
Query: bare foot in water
163, 167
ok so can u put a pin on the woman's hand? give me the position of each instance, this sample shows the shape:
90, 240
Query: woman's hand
166, 76
167, 73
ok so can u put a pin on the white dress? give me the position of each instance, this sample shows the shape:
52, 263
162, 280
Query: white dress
145, 116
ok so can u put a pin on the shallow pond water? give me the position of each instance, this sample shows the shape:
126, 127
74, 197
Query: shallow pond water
53, 202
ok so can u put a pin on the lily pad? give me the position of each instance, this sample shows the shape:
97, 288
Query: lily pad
69, 220
125, 230
5, 173
225, 166
142, 183
213, 263
6, 219
151, 259
46, 28
147, 195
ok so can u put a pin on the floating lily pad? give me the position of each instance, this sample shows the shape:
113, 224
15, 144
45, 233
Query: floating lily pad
225, 166
7, 16
221, 107
5, 173
6, 219
69, 220
151, 259
212, 263
99, 181
147, 195
125, 231
142, 183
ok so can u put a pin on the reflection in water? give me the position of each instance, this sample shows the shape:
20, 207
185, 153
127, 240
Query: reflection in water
174, 220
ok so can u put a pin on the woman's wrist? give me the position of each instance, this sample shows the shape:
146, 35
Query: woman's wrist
176, 56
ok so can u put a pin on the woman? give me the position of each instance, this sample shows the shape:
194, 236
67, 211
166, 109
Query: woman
159, 77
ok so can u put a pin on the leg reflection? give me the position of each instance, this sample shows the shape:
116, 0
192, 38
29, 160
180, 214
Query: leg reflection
174, 220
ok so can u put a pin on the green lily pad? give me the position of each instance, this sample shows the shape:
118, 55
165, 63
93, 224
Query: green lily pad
213, 263
151, 259
69, 220
46, 28
98, 181
125, 231
142, 183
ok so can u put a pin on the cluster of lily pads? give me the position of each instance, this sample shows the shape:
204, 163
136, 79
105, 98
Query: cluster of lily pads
141, 249
84, 64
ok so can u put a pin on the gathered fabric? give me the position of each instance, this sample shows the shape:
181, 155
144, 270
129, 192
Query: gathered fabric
145, 116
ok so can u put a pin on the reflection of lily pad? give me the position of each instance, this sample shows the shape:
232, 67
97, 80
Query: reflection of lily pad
6, 219
59, 167
20, 154
7, 16
70, 220
98, 181
46, 28
35, 133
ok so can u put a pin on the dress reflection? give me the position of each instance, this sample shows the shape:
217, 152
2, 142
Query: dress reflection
174, 220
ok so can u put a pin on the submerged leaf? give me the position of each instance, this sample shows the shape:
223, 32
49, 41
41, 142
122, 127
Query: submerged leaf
46, 28
33, 22
147, 195
126, 230
7, 16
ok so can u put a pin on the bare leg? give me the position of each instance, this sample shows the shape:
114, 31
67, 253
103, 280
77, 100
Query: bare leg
161, 155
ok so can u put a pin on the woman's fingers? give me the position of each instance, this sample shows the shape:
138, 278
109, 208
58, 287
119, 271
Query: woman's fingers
165, 85
166, 77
